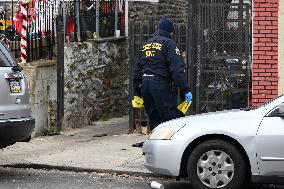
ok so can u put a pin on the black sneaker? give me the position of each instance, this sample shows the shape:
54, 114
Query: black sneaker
138, 145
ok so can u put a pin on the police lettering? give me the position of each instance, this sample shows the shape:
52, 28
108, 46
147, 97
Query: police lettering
147, 47
150, 46
157, 46
150, 49
150, 53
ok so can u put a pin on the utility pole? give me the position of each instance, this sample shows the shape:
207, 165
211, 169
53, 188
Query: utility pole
60, 71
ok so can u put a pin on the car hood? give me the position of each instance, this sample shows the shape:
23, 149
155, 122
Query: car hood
231, 122
213, 117
224, 115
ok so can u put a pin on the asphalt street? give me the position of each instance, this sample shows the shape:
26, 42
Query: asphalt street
11, 178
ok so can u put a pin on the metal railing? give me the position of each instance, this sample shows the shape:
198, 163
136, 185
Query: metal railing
96, 18
84, 19
40, 31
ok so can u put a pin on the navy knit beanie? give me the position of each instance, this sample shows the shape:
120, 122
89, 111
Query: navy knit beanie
166, 24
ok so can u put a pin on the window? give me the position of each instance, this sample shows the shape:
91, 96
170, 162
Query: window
6, 59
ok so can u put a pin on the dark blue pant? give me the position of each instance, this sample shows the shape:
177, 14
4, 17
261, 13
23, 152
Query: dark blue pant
160, 102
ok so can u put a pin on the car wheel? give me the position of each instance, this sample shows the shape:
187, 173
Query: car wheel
216, 164
27, 139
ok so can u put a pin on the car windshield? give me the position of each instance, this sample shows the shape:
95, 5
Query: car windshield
269, 102
6, 59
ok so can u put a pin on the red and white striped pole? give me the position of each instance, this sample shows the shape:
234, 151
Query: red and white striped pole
23, 35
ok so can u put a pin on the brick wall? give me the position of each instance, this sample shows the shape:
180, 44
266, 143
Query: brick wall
265, 51
281, 47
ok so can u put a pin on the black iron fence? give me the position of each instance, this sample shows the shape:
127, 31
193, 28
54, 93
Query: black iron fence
40, 31
221, 64
91, 19
84, 19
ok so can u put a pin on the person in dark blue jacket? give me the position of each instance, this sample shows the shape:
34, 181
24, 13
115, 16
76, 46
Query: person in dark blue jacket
158, 66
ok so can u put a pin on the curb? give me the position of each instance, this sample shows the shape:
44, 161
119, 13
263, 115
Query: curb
80, 170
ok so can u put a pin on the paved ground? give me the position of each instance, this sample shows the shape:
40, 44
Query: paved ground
104, 146
52, 179
13, 178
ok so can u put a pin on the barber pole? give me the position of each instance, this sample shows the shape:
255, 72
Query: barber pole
24, 42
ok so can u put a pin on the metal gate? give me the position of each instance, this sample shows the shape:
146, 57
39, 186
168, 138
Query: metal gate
220, 54
216, 48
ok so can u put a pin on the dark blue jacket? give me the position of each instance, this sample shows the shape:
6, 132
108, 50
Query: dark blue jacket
160, 57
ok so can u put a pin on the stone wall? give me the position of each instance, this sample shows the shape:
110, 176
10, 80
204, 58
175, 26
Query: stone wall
96, 81
174, 9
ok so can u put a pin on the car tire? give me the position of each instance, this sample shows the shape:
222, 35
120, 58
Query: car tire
216, 164
27, 139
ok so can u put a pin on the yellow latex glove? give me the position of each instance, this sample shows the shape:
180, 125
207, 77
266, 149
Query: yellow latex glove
183, 107
137, 102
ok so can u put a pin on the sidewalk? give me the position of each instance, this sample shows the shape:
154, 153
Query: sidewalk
82, 149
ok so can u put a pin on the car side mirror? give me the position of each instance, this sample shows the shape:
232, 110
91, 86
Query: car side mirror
17, 69
281, 110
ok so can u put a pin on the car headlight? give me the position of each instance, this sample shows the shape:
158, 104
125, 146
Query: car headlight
165, 133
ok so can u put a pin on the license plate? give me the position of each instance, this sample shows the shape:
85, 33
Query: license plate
15, 86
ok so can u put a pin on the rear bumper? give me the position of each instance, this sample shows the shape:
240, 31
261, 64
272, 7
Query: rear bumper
15, 130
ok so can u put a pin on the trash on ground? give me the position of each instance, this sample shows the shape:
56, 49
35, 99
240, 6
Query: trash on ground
100, 135
157, 185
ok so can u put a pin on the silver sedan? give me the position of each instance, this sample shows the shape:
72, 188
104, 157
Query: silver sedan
221, 149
